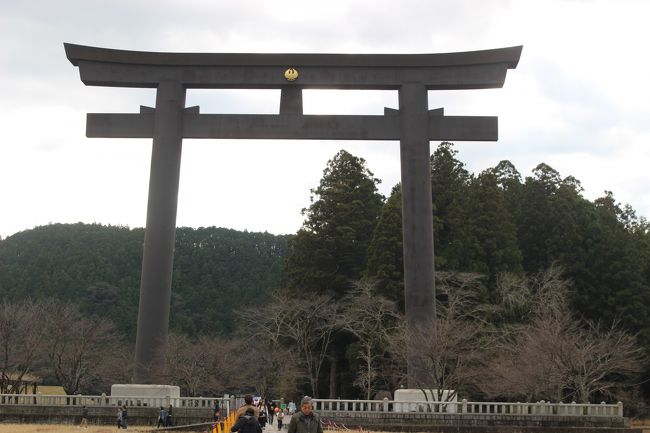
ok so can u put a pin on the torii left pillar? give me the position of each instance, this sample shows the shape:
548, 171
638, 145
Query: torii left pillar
160, 233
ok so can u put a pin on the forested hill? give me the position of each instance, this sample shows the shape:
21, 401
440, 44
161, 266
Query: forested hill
215, 271
495, 223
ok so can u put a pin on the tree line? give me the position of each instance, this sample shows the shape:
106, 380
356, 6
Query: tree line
322, 309
495, 225
525, 346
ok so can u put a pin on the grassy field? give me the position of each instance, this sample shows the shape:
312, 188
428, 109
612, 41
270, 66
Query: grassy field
50, 428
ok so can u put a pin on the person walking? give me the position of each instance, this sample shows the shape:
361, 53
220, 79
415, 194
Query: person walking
125, 418
84, 417
270, 406
216, 411
262, 419
280, 419
170, 421
247, 423
162, 417
305, 420
119, 418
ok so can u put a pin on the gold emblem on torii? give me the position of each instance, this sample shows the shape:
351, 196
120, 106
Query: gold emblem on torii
291, 74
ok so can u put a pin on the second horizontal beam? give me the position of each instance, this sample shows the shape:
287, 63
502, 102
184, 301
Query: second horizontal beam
293, 127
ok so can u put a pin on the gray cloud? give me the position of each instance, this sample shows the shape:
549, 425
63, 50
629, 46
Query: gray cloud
577, 101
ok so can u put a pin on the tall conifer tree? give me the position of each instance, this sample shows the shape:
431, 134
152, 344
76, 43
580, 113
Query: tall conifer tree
385, 253
330, 250
450, 187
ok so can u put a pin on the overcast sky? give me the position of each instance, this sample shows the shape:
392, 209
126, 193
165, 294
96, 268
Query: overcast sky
579, 101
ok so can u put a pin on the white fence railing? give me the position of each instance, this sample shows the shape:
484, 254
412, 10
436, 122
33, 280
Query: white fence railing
104, 400
466, 407
325, 406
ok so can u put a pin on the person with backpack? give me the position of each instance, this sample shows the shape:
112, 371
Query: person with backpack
247, 423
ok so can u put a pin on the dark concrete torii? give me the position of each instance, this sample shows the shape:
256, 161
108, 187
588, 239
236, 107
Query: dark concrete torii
414, 125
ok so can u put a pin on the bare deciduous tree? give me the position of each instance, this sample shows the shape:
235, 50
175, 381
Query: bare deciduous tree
271, 368
556, 356
204, 367
21, 340
275, 364
371, 319
79, 348
187, 364
445, 353
304, 325
598, 359
519, 367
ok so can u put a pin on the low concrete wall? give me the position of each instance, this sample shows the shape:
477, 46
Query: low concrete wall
502, 429
105, 415
399, 422
412, 422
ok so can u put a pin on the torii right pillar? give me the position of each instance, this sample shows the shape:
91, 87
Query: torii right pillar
417, 214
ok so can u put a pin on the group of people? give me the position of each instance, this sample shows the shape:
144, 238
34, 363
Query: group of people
252, 418
122, 418
165, 417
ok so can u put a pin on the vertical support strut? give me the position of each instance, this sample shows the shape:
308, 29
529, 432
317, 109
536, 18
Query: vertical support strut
417, 217
291, 100
160, 232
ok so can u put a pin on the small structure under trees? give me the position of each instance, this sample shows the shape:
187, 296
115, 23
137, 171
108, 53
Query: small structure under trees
16, 383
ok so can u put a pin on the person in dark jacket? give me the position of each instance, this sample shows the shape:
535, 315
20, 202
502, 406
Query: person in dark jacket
269, 411
247, 423
84, 417
216, 411
262, 419
125, 418
169, 422
305, 420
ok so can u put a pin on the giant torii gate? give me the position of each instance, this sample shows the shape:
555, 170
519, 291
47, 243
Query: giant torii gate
414, 125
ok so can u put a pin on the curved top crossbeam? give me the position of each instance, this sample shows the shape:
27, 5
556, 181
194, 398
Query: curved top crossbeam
76, 53
459, 70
